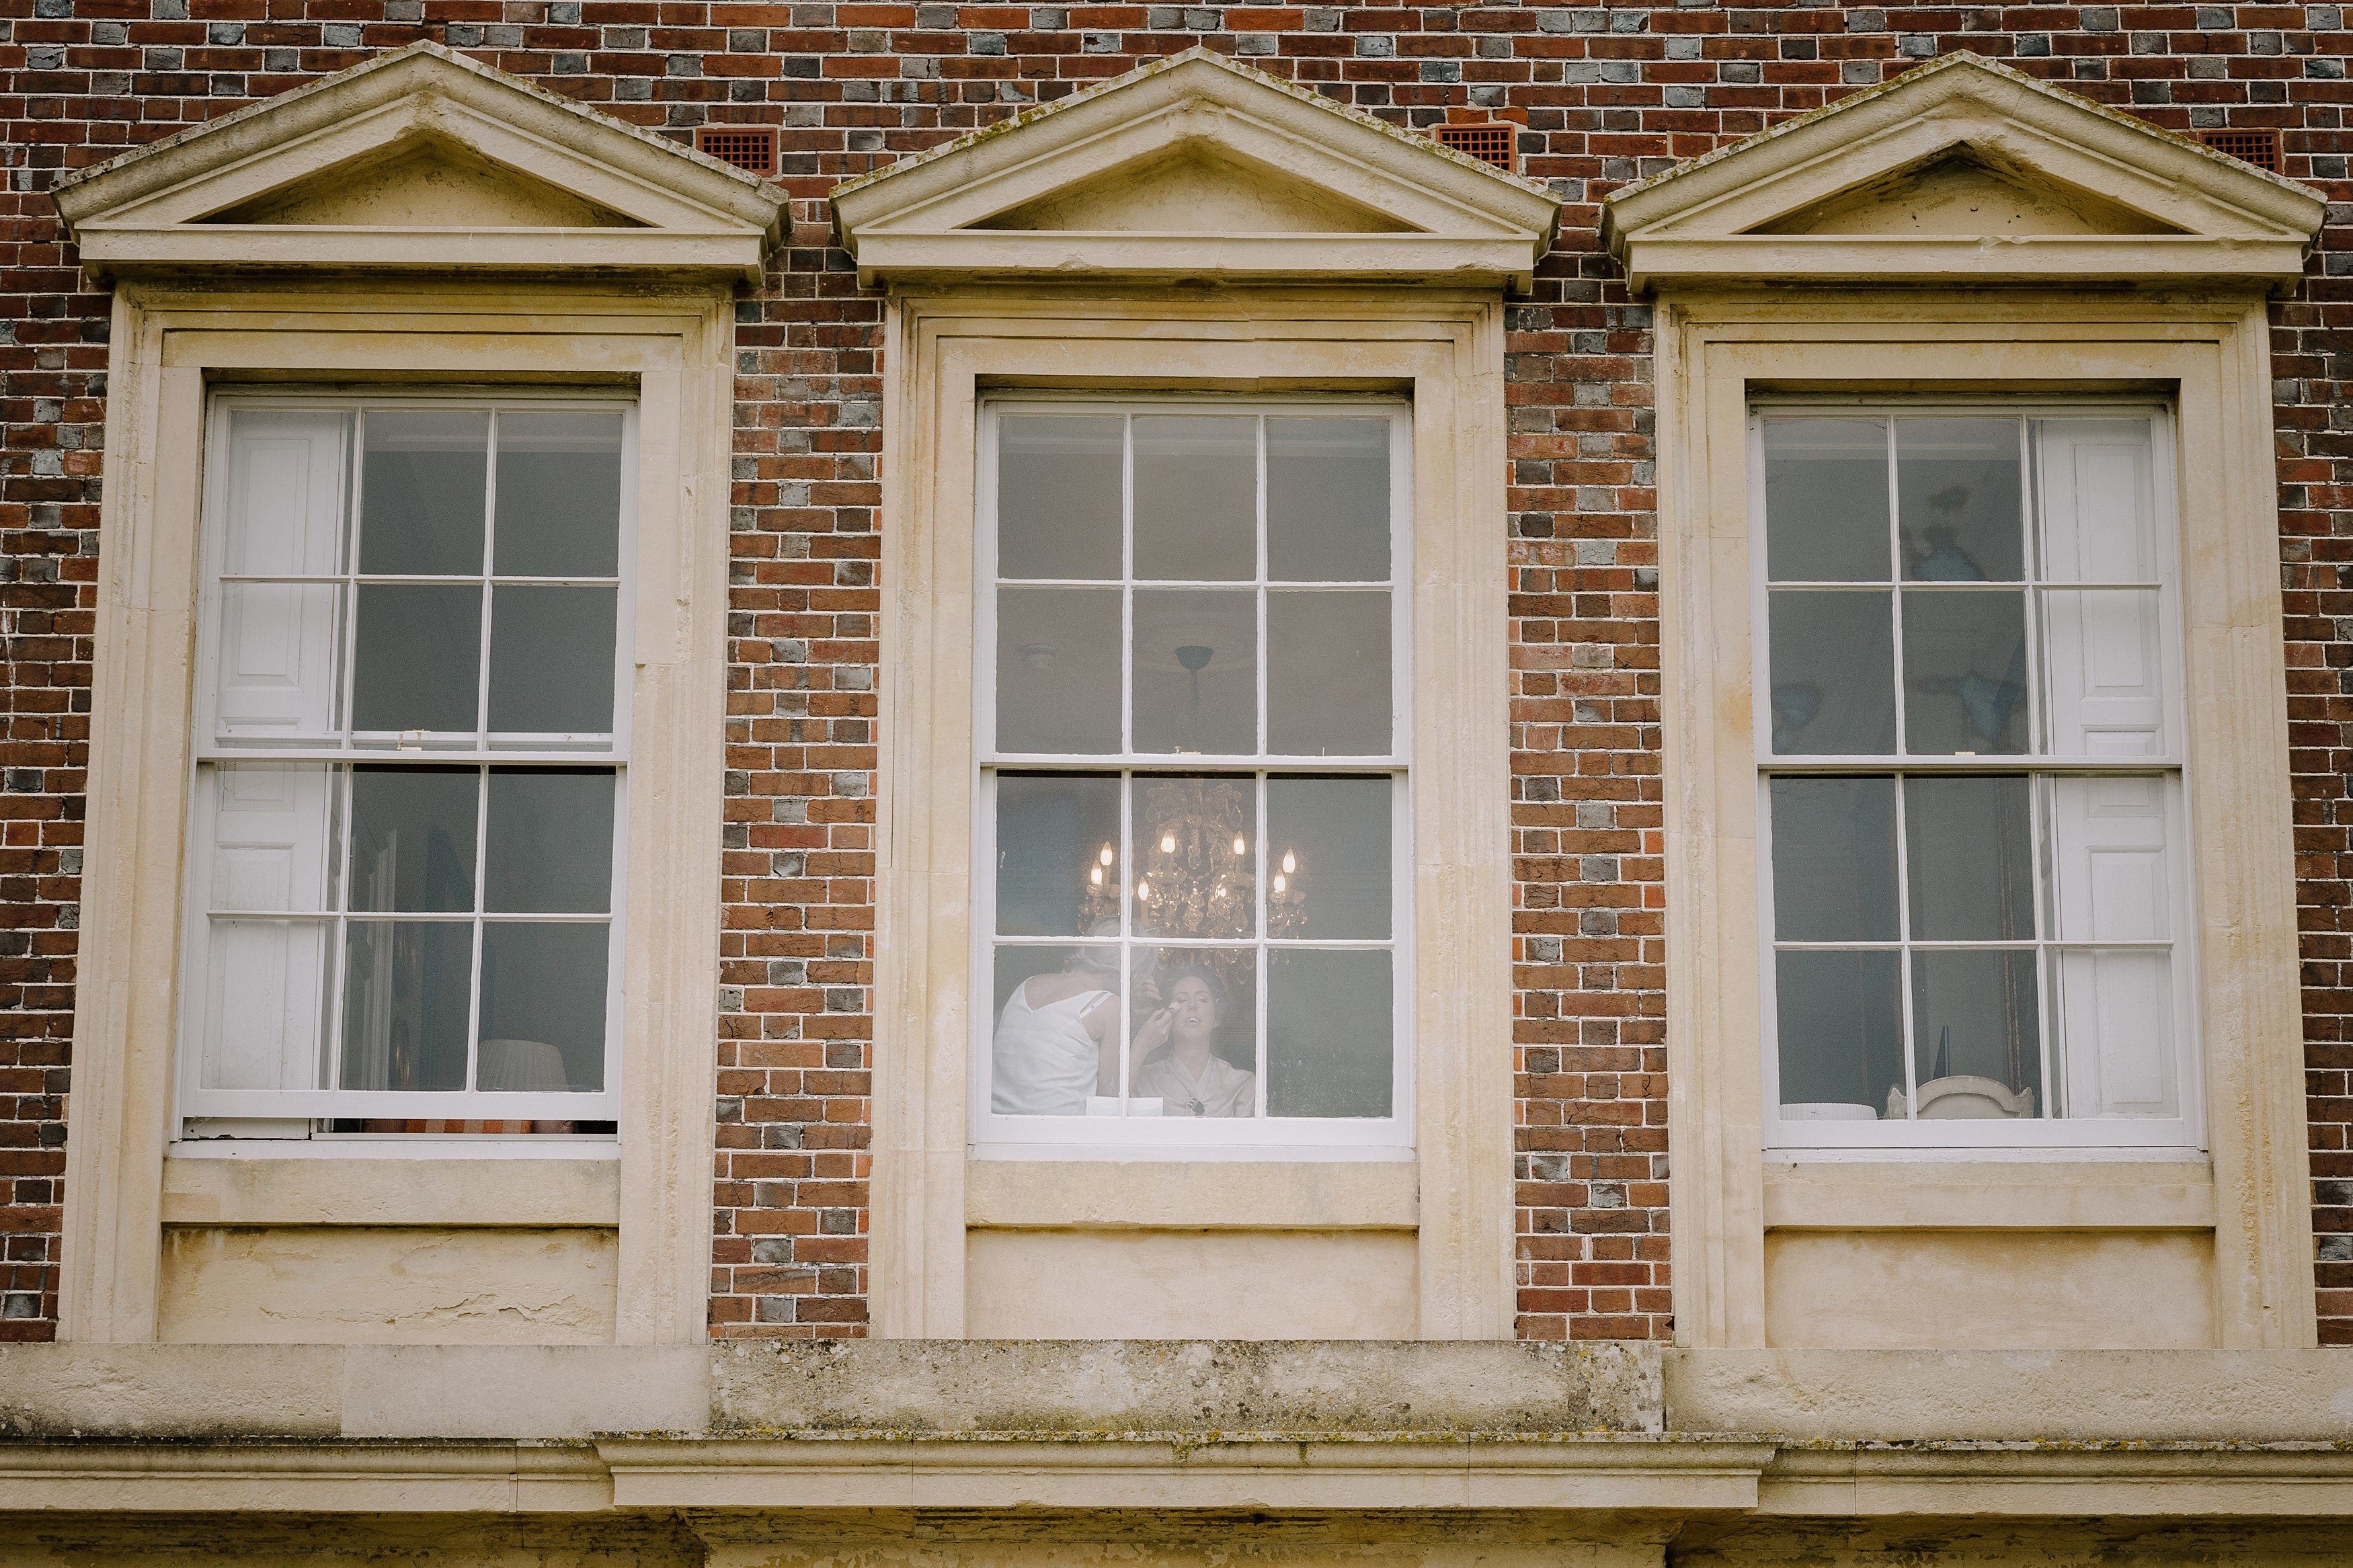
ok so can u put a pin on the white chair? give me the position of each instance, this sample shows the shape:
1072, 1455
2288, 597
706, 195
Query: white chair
1965, 1097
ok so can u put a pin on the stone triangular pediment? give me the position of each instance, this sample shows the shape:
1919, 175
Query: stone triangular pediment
1194, 166
419, 159
1197, 188
426, 182
1964, 192
1961, 169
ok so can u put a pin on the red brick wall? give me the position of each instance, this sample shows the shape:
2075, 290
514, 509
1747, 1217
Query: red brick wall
1605, 93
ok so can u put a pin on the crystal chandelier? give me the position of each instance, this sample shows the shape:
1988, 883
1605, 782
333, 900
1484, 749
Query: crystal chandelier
1197, 881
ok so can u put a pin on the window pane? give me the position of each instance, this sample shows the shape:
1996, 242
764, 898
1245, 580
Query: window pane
1058, 864
1058, 669
1957, 499
421, 491
1965, 672
544, 1006
286, 493
1327, 688
1056, 1044
2113, 1014
418, 658
407, 985
1057, 495
1826, 500
1330, 1033
2110, 879
551, 659
2105, 670
413, 838
551, 844
559, 495
1194, 861
1834, 859
1833, 672
1977, 1045
277, 643
1327, 500
1839, 1020
1195, 1051
265, 1002
1971, 859
1329, 842
1196, 670
2097, 500
1195, 496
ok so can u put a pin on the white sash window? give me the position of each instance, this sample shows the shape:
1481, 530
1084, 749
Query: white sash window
412, 754
1968, 714
1192, 722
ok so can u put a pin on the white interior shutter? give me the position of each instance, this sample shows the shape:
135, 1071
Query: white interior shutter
284, 498
2113, 882
269, 830
2104, 665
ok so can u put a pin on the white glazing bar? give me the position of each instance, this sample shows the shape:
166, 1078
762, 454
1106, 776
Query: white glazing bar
1896, 641
1904, 954
482, 652
1263, 954
355, 519
1973, 584
1149, 763
591, 751
1127, 608
2038, 708
1265, 675
1126, 864
1959, 763
474, 989
1220, 585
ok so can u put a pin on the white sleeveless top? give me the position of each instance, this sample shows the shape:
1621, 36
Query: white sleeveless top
1043, 1061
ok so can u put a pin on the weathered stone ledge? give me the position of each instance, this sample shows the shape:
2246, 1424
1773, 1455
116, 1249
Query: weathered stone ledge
1131, 1390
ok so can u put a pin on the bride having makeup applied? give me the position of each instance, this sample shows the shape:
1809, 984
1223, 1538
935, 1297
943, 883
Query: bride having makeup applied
1172, 1057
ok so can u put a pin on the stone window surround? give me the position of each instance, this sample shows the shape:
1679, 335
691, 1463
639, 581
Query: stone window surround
171, 342
2204, 353
1442, 349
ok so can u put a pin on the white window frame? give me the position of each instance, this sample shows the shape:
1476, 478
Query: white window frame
996, 1136
272, 1112
1932, 1138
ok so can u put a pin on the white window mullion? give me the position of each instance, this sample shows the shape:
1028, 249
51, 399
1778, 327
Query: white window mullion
1126, 594
1904, 1027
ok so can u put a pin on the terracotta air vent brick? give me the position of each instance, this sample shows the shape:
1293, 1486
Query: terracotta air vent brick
1490, 143
2261, 148
751, 148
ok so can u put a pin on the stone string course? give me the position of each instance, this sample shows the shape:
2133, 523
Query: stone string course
1602, 94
